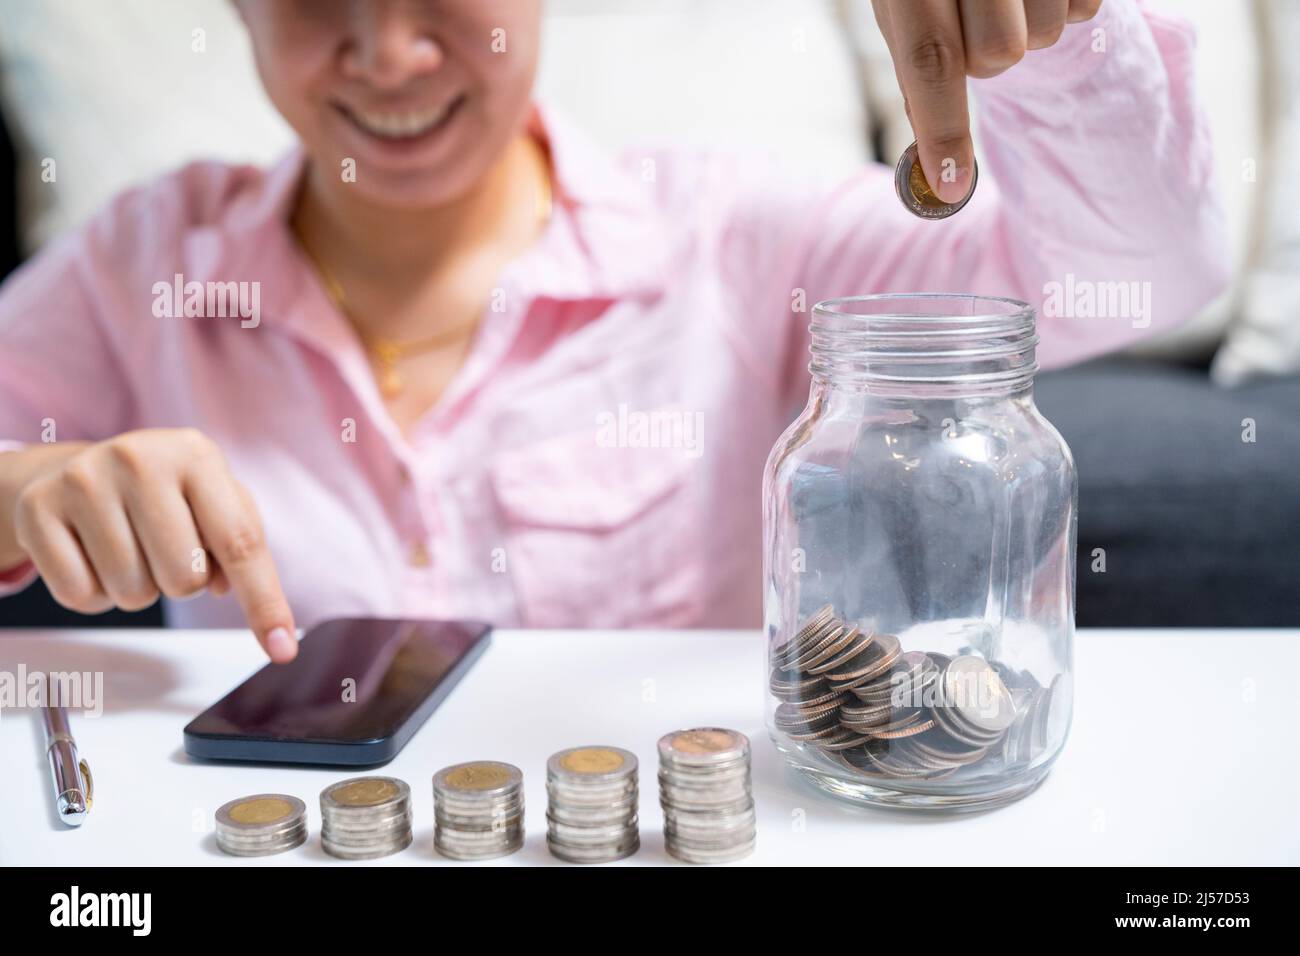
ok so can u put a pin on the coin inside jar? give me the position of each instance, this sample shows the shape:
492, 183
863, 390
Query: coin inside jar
915, 193
977, 696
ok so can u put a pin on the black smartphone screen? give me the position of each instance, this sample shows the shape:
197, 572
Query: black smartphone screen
357, 691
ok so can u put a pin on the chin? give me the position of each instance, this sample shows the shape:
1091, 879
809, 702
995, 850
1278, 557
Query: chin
416, 189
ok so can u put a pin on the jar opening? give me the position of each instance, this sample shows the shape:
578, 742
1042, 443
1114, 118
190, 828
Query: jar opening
964, 341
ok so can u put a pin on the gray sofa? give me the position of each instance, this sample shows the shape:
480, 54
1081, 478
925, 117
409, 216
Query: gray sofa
1199, 527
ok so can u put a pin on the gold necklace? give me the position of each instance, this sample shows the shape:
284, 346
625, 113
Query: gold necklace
387, 353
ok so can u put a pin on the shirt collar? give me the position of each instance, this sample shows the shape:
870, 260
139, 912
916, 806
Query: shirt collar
608, 232
607, 238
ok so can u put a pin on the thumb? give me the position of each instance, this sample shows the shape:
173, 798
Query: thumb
948, 163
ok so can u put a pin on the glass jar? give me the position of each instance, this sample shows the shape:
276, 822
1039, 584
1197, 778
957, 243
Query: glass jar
919, 536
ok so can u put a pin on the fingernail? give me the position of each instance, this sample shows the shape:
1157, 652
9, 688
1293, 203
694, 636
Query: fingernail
281, 645
954, 190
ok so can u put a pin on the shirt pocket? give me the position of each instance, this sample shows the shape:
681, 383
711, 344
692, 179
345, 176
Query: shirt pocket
600, 536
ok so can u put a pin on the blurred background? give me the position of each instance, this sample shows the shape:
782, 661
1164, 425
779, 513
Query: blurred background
1183, 521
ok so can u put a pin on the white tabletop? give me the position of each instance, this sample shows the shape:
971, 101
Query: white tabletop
1182, 752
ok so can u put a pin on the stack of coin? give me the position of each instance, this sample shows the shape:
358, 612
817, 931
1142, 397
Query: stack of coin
591, 815
365, 817
262, 824
866, 704
704, 789
478, 810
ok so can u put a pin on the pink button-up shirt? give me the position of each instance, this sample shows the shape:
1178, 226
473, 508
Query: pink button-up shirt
598, 459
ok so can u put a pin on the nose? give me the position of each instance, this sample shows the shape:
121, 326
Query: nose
390, 43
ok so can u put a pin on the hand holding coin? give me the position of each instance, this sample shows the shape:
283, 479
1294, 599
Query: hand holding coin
936, 44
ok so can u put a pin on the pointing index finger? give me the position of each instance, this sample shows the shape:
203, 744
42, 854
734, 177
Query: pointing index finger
930, 61
228, 522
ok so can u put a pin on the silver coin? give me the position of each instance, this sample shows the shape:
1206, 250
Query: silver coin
796, 688
709, 828
1054, 712
880, 656
593, 854
827, 641
370, 851
679, 801
973, 690
808, 644
688, 853
475, 840
908, 727
584, 834
961, 734
919, 758
818, 733
847, 740
912, 676
847, 650
793, 716
880, 758
799, 643
866, 713
455, 851
940, 747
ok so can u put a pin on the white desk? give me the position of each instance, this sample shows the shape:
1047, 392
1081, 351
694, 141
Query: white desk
1183, 751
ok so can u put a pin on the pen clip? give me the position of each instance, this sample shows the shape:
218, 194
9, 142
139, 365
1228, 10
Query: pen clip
90, 781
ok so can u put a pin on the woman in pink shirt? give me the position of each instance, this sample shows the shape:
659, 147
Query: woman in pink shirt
448, 360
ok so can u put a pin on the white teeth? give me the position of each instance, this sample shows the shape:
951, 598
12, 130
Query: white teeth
397, 125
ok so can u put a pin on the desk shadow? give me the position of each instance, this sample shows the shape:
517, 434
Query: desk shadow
131, 679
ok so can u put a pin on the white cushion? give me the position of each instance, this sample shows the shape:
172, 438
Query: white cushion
1264, 339
773, 75
115, 94
1228, 83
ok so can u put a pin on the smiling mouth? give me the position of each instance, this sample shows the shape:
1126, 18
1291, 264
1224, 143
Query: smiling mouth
403, 125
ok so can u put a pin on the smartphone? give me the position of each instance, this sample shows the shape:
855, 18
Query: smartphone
355, 694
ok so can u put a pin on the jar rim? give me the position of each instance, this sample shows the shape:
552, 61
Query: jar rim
899, 340
1011, 308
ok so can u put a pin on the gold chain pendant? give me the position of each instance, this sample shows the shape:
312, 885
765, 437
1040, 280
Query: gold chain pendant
386, 356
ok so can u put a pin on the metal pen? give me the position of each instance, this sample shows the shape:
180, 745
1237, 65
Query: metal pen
73, 784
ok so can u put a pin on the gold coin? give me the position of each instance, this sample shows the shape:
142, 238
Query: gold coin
914, 190
704, 741
921, 190
478, 776
364, 792
260, 810
592, 760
